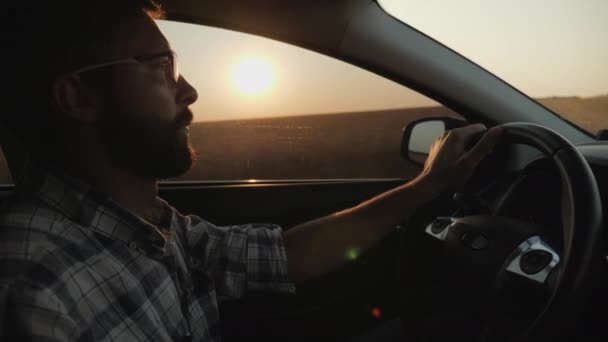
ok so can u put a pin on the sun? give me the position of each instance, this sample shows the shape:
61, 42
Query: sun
253, 76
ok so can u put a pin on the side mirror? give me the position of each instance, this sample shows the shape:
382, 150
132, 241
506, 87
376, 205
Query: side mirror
419, 135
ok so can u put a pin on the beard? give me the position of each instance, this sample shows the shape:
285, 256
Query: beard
145, 147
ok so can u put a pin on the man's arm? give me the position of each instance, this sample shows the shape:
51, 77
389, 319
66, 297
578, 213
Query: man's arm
320, 246
29, 313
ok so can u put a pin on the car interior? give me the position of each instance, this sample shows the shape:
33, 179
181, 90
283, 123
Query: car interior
519, 253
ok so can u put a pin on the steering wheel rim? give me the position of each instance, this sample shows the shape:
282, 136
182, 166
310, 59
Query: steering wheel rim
581, 226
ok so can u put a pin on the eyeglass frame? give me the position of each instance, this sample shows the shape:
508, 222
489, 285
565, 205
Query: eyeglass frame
138, 59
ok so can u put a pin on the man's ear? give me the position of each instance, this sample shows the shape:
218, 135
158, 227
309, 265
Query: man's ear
72, 97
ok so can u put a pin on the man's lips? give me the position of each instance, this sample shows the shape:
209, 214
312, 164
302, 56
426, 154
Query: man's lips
184, 119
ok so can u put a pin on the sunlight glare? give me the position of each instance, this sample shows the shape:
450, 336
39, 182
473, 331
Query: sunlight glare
252, 76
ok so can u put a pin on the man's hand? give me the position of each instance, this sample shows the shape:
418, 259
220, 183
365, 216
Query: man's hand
449, 163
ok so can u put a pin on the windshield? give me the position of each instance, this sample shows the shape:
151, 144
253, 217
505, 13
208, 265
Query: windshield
555, 51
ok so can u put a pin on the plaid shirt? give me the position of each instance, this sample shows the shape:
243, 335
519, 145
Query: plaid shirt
77, 266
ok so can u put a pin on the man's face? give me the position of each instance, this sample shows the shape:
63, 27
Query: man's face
143, 120
150, 148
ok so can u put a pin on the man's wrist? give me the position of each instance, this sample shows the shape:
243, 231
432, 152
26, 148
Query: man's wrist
428, 186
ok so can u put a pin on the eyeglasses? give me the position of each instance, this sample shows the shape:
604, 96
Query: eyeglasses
167, 60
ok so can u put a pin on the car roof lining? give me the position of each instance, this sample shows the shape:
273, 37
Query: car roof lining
311, 23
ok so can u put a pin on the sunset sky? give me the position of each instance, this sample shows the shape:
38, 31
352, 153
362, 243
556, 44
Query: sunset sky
543, 47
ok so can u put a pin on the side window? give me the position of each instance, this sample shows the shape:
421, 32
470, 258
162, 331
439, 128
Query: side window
269, 110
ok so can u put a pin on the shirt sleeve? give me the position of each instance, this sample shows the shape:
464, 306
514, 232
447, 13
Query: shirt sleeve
239, 258
33, 314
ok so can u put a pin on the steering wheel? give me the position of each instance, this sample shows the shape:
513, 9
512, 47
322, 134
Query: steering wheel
492, 278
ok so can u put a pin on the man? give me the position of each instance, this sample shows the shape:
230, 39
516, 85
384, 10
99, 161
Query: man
88, 250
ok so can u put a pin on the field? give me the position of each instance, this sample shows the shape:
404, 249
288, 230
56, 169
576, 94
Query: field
344, 145
590, 113
352, 145
347, 145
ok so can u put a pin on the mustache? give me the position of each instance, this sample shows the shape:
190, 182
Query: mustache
184, 118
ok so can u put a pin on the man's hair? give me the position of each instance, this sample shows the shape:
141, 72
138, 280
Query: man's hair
46, 39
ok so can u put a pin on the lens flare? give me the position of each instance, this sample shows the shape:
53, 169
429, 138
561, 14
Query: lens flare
352, 253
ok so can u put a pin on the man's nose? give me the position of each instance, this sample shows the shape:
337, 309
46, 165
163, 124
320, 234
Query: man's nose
186, 94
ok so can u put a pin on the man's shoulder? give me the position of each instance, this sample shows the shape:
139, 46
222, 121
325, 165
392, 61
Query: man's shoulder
34, 235
30, 215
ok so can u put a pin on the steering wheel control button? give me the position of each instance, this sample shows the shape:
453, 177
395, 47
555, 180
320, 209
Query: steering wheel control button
474, 240
440, 227
535, 261
440, 224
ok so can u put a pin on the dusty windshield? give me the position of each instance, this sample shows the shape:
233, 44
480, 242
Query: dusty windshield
554, 51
